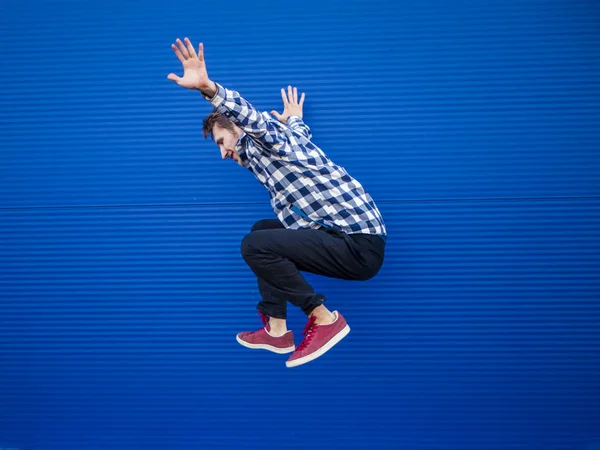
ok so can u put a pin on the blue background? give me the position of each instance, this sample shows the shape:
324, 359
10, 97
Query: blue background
474, 125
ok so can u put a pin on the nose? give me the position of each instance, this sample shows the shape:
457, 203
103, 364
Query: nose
223, 153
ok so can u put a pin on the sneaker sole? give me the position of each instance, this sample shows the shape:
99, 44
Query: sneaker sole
308, 358
268, 347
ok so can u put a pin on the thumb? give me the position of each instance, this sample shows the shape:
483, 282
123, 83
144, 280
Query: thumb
173, 77
276, 114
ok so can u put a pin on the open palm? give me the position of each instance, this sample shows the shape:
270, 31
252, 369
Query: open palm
291, 105
195, 75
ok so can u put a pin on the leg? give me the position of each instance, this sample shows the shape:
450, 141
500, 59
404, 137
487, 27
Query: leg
278, 255
267, 224
269, 306
274, 336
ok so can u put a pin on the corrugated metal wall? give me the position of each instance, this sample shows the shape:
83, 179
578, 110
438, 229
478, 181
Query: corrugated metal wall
474, 125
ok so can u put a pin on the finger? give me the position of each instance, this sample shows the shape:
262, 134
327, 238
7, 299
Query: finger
201, 51
190, 48
296, 95
182, 49
290, 94
302, 100
173, 77
276, 114
285, 100
178, 53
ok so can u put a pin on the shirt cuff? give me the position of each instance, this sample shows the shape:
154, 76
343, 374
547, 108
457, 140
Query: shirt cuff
294, 120
219, 97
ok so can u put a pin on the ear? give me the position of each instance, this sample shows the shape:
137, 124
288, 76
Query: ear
238, 131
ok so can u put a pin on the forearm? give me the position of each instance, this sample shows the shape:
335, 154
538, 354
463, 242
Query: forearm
241, 112
209, 90
296, 124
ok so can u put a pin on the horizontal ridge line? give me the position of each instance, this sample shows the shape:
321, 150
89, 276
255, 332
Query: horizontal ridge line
179, 205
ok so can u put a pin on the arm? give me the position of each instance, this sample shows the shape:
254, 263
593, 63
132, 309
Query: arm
292, 112
241, 112
296, 124
229, 103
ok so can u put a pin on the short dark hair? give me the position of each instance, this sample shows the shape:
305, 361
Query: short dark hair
215, 118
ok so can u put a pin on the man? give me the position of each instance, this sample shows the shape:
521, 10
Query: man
327, 224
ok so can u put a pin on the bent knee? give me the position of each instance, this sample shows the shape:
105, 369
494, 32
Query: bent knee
370, 271
260, 225
248, 245
364, 275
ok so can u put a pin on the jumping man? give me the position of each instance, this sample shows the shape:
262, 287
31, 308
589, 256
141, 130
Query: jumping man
326, 223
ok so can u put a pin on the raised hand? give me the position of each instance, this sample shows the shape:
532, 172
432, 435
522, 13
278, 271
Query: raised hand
195, 75
291, 106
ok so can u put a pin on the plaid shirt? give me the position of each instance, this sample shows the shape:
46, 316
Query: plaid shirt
307, 189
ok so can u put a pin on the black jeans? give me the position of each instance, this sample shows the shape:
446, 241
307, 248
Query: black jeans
276, 255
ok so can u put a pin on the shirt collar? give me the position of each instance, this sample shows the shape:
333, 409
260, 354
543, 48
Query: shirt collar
240, 148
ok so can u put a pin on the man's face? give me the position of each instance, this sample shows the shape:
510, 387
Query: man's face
227, 140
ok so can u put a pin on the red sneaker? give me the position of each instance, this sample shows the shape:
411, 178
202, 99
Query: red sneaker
318, 339
262, 339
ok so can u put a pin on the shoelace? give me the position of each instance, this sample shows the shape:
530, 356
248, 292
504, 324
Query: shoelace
309, 332
264, 318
